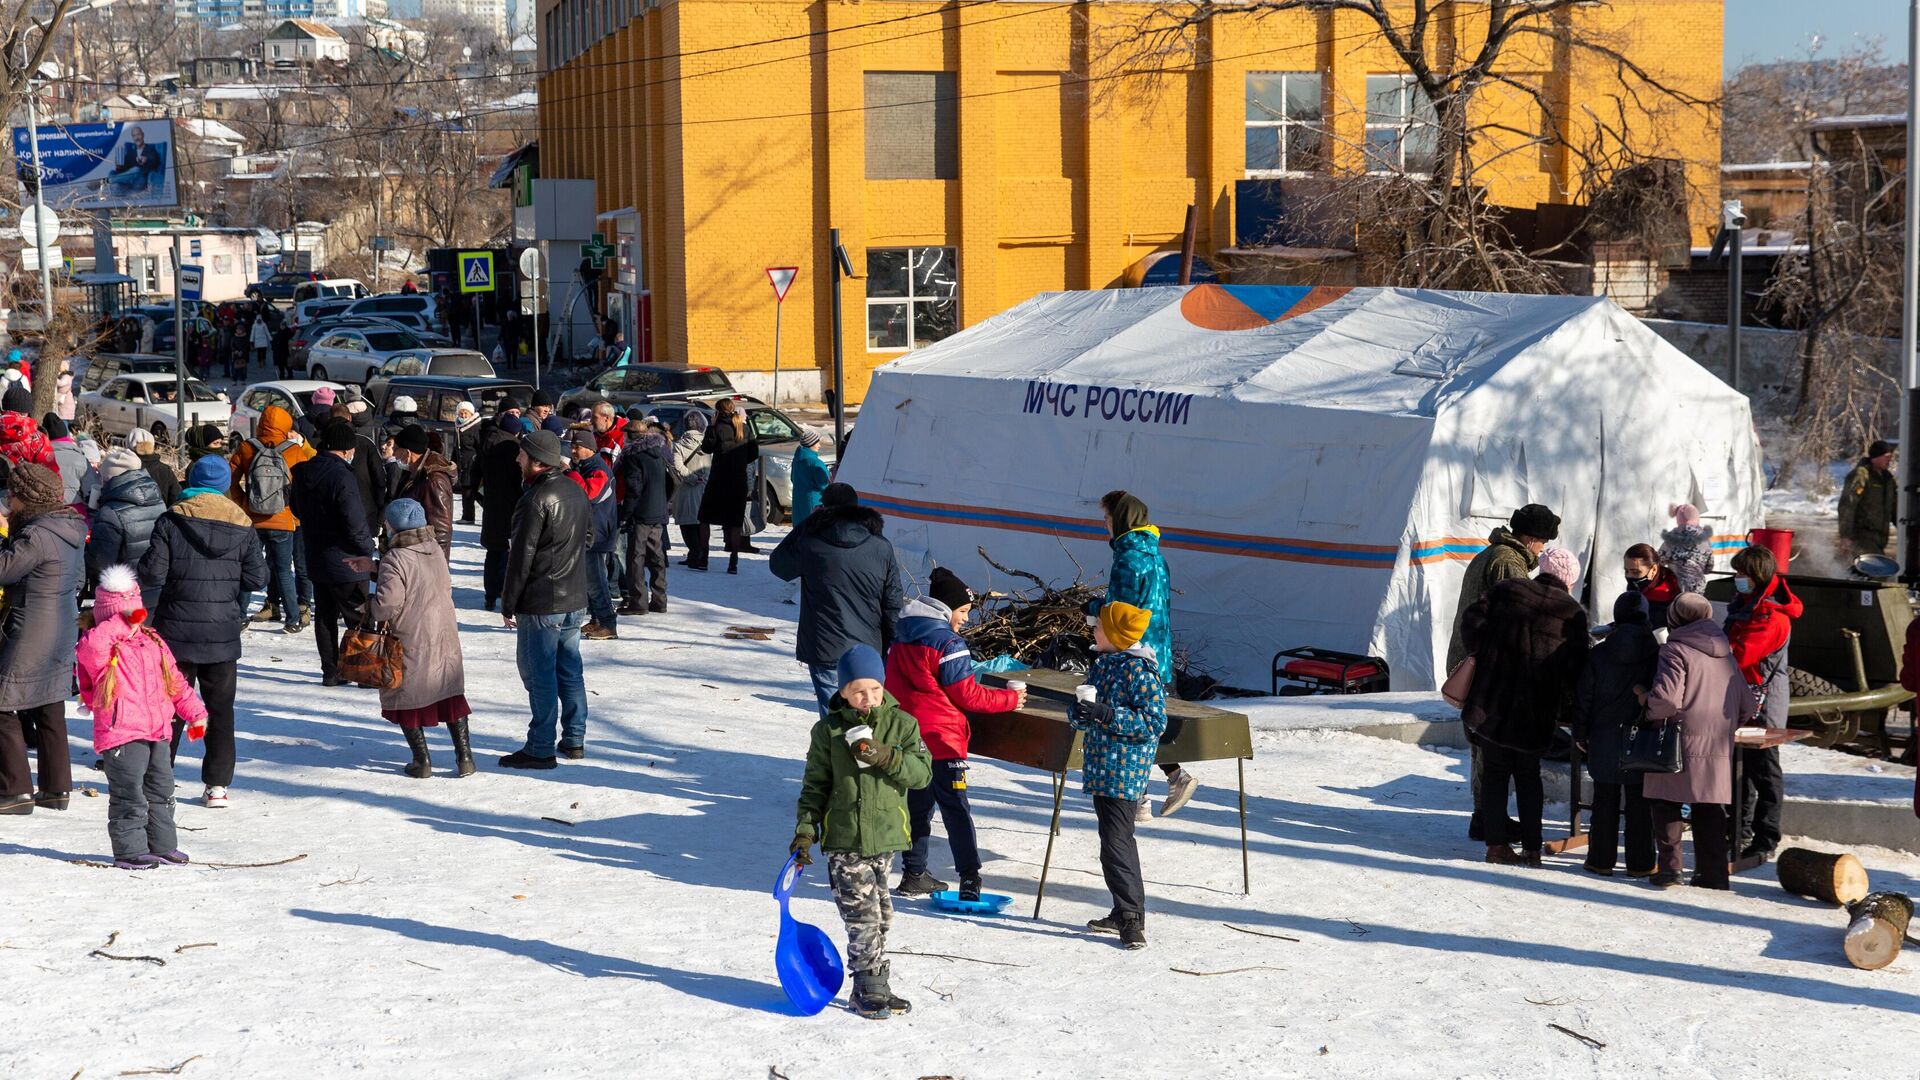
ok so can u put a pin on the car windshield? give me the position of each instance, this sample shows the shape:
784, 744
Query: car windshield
488, 398
162, 391
389, 340
462, 364
770, 425
702, 381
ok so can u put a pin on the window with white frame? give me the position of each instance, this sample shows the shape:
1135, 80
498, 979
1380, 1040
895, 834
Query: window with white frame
1403, 134
912, 297
1284, 132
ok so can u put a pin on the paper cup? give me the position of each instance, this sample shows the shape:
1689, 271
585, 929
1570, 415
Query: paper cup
1085, 693
855, 735
1016, 686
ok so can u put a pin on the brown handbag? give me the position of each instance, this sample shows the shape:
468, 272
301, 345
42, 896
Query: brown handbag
1459, 684
373, 657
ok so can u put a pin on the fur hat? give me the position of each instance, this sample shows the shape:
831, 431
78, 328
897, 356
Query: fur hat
1124, 624
119, 461
1536, 521
946, 587
1685, 514
140, 440
118, 594
1560, 564
861, 662
37, 487
405, 404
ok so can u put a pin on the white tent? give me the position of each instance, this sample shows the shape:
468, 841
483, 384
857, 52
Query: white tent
1322, 462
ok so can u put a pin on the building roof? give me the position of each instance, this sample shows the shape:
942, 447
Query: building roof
211, 129
312, 28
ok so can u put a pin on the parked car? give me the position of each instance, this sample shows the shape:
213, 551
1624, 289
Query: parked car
389, 305
329, 288
280, 284
463, 363
439, 396
312, 311
637, 384
304, 336
90, 371
779, 437
148, 401
163, 333
354, 353
293, 395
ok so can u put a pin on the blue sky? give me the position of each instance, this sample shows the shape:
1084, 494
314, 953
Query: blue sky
1761, 30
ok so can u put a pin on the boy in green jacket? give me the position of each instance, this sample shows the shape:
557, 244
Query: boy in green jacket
865, 756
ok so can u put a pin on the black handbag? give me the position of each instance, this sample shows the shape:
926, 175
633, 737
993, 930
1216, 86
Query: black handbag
1652, 748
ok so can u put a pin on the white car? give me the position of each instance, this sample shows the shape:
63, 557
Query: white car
351, 354
293, 395
340, 288
148, 401
388, 305
307, 312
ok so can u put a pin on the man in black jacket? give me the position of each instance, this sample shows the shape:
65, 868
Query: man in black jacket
849, 585
643, 516
205, 560
499, 485
340, 549
545, 601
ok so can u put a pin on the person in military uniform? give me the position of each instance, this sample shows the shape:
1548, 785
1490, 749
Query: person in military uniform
1869, 501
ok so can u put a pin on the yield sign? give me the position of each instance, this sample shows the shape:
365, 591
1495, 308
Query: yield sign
782, 279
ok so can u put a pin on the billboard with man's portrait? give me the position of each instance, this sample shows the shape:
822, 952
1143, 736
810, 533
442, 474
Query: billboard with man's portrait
101, 166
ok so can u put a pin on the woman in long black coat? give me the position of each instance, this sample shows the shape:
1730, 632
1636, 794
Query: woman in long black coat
497, 478
1604, 704
735, 447
42, 564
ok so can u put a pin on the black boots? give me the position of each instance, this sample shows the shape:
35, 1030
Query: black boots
733, 562
462, 749
16, 804
52, 800
421, 765
873, 998
919, 884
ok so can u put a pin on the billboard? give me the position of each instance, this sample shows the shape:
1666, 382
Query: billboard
98, 166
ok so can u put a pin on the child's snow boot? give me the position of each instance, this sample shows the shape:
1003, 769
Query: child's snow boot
421, 765
873, 998
970, 888
462, 748
1133, 932
176, 857
920, 883
136, 862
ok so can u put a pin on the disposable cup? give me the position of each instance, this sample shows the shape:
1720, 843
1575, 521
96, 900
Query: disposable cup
855, 736
1085, 693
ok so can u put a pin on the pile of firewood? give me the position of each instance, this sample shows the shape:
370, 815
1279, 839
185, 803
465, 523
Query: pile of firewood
1031, 622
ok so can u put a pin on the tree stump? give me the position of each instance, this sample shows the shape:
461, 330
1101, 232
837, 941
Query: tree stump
1836, 877
1879, 923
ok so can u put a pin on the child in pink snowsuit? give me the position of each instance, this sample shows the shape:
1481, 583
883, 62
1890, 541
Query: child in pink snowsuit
130, 682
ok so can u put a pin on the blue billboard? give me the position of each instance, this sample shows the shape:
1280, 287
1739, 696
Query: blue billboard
98, 166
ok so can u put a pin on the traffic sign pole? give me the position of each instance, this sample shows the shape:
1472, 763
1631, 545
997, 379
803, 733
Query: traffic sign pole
179, 351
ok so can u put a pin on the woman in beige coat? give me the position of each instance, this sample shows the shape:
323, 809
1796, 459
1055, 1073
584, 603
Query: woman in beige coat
414, 597
1698, 686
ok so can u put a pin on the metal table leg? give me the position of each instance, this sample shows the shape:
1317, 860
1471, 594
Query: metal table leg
1246, 876
1059, 790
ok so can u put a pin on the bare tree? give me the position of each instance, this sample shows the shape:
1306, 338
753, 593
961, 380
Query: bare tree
1436, 227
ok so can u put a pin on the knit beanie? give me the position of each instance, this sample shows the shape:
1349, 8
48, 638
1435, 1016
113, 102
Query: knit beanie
54, 427
1124, 624
861, 662
412, 438
405, 404
946, 587
118, 593
1684, 514
1688, 608
210, 472
1560, 564
323, 396
1127, 511
404, 514
140, 440
338, 436
17, 399
119, 461
1536, 521
839, 495
541, 397
809, 438
1630, 607
37, 487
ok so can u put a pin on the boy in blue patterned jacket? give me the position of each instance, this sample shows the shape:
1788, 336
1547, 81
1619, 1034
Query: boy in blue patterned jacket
1123, 726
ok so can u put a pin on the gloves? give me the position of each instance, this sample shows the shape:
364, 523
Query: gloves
1090, 713
878, 755
196, 731
799, 849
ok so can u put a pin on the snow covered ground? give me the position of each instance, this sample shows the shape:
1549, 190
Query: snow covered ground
612, 918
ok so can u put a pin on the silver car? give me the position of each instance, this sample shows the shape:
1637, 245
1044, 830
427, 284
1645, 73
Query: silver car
149, 401
779, 436
352, 354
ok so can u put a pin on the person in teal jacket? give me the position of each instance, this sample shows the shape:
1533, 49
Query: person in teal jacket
810, 477
1139, 577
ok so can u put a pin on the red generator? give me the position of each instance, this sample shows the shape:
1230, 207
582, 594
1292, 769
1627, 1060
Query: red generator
1324, 671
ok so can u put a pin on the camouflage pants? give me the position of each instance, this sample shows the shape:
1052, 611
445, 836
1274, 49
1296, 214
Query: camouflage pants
860, 889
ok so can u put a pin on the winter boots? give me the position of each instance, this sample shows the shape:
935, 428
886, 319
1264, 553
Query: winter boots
970, 889
52, 800
1180, 788
873, 998
421, 766
267, 614
17, 804
920, 884
462, 749
1131, 928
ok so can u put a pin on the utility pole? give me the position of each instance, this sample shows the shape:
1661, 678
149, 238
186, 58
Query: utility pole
179, 351
1910, 320
39, 217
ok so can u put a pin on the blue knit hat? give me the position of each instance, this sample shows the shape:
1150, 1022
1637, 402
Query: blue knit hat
862, 662
404, 514
210, 472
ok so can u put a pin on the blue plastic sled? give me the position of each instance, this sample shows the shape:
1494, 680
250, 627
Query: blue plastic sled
808, 964
990, 903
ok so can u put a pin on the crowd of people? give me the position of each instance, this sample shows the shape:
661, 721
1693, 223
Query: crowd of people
1523, 665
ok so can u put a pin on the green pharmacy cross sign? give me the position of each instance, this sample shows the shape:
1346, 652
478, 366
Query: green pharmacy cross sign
598, 252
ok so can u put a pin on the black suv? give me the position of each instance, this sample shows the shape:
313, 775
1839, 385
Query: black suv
280, 284
627, 385
439, 397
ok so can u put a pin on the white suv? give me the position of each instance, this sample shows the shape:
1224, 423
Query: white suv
387, 305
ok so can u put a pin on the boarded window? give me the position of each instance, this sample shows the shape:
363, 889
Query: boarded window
913, 125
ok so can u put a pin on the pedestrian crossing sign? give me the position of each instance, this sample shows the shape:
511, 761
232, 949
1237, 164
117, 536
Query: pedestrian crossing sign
476, 271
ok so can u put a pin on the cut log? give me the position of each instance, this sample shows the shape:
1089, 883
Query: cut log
1879, 923
1836, 877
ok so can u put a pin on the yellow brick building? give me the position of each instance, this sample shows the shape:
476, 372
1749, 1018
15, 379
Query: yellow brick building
975, 153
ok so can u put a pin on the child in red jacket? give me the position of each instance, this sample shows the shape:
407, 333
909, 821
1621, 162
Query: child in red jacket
930, 673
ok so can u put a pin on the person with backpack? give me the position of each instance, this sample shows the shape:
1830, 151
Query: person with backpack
262, 485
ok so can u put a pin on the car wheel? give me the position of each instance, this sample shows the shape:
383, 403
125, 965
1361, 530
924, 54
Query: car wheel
318, 373
776, 514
